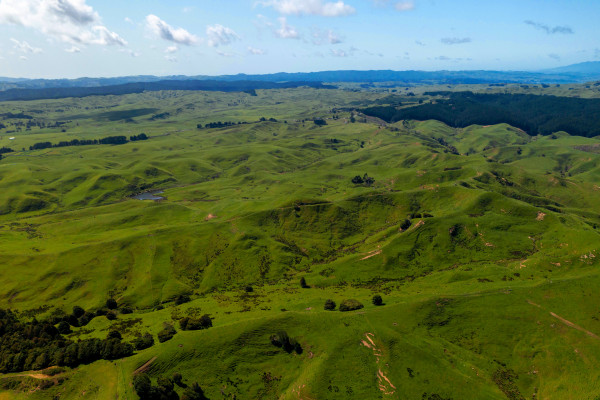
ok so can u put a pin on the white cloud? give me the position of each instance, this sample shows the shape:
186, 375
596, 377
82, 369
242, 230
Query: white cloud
256, 52
70, 21
129, 21
224, 54
171, 49
23, 58
167, 32
339, 53
310, 7
132, 53
405, 5
455, 40
73, 49
25, 47
171, 58
328, 36
219, 35
286, 31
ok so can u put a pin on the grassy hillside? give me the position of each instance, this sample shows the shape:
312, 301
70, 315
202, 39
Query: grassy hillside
482, 242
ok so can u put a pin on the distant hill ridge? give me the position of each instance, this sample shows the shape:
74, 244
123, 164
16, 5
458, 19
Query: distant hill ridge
575, 73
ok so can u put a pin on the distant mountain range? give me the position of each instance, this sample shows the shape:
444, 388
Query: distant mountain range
576, 73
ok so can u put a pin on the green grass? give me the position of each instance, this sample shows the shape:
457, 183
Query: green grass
502, 234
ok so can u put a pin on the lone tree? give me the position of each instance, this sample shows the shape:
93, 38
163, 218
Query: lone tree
329, 305
377, 300
111, 304
303, 283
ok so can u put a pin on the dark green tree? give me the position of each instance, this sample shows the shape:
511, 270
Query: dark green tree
329, 305
377, 300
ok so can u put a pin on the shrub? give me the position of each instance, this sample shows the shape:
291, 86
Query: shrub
111, 315
78, 311
288, 344
249, 289
377, 300
350, 305
329, 305
64, 327
101, 311
357, 180
194, 392
126, 310
114, 335
143, 342
167, 333
111, 304
303, 283
194, 324
177, 379
181, 299
142, 385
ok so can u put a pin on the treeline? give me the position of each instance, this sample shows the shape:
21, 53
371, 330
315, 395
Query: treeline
536, 115
140, 87
219, 124
225, 124
87, 142
38, 345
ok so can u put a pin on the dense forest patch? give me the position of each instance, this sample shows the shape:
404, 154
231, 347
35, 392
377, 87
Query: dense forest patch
536, 115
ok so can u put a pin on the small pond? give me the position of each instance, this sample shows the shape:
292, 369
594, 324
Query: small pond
149, 196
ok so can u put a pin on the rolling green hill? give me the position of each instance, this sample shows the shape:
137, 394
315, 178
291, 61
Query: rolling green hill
482, 242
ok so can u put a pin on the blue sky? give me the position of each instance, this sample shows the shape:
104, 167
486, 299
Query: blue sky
74, 38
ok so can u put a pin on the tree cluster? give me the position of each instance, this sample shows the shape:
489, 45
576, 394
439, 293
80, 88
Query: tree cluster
166, 333
194, 324
87, 142
536, 115
141, 136
37, 345
363, 180
218, 124
165, 388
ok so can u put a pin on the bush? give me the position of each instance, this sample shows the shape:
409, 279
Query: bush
249, 289
194, 324
288, 344
114, 335
143, 342
111, 304
177, 379
377, 300
350, 305
166, 334
126, 310
303, 283
101, 311
111, 315
142, 385
64, 327
78, 311
329, 305
181, 299
194, 392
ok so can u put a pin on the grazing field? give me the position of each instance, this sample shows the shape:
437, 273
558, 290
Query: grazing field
482, 242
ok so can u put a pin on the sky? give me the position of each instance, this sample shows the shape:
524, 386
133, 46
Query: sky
103, 38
